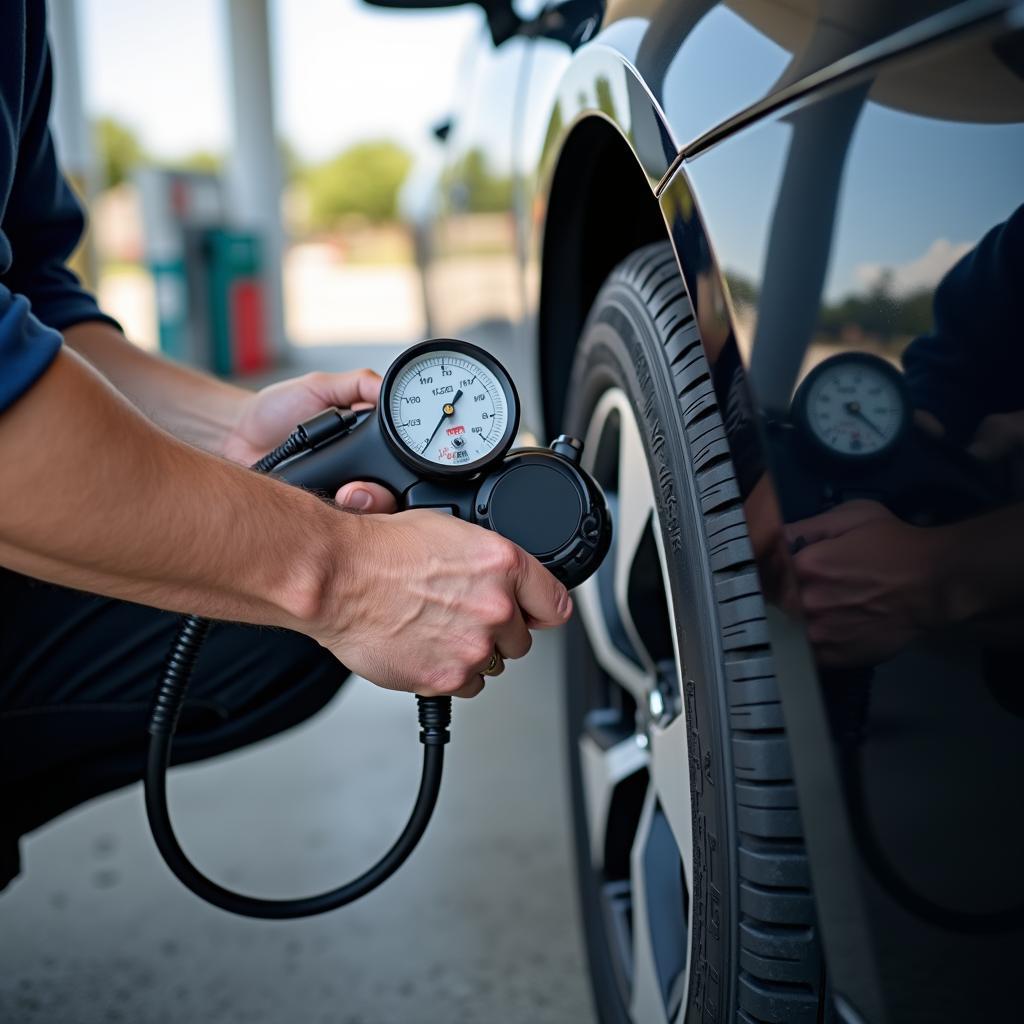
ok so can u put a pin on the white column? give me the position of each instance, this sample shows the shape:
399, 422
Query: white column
71, 130
254, 175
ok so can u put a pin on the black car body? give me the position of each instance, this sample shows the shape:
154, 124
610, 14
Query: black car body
782, 183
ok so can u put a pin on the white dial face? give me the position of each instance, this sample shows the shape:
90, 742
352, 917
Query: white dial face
855, 408
448, 409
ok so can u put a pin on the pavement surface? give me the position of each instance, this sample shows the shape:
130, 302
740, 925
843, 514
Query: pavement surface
479, 926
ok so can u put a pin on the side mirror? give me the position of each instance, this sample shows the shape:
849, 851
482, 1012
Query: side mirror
502, 20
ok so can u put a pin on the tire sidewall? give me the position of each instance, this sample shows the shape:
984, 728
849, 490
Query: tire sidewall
622, 347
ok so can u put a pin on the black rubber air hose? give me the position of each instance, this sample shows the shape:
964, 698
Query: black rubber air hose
434, 717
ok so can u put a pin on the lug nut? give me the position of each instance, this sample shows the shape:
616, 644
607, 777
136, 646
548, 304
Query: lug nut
655, 703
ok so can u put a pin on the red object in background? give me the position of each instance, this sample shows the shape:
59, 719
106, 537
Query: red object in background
456, 430
249, 329
179, 198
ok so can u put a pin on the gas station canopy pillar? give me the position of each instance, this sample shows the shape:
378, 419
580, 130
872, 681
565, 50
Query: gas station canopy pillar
71, 130
254, 161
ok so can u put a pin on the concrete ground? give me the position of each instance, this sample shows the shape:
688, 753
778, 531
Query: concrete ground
479, 926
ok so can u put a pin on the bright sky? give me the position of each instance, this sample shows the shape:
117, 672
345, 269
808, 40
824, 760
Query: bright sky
344, 71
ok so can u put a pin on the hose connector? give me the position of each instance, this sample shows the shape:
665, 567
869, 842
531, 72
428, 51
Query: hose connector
326, 426
435, 717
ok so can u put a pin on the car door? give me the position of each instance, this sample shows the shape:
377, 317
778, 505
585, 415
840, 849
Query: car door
473, 276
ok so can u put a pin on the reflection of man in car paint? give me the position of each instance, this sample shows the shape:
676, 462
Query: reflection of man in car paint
870, 583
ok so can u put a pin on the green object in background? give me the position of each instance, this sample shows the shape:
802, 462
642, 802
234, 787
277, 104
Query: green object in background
171, 286
231, 257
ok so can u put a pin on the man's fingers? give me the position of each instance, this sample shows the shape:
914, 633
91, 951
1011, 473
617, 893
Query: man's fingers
990, 449
544, 601
346, 389
929, 423
513, 639
471, 689
834, 523
809, 531
366, 497
998, 437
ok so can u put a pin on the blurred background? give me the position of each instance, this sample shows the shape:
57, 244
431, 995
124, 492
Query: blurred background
252, 140
245, 165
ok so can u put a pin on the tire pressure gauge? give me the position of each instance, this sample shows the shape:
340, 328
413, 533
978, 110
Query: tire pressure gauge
438, 440
448, 408
853, 407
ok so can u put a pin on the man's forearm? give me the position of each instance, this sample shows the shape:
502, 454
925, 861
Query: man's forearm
97, 497
193, 406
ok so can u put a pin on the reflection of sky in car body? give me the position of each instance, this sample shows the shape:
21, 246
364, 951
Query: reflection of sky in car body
910, 191
988, 154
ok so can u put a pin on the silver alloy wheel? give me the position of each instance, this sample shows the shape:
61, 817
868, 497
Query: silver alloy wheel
650, 910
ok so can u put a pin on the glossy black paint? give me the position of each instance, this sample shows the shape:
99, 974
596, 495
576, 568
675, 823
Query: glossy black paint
868, 195
835, 177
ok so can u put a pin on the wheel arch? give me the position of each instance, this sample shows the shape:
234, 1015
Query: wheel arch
601, 207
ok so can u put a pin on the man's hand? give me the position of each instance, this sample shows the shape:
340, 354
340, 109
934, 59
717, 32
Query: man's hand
415, 601
422, 601
867, 582
268, 417
999, 437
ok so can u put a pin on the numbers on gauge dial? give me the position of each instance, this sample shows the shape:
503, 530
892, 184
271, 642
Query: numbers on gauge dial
855, 409
448, 409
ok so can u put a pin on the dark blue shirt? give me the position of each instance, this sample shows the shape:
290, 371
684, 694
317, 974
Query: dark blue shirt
40, 220
971, 364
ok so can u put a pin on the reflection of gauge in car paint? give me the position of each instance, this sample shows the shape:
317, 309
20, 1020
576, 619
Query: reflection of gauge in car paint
853, 406
448, 407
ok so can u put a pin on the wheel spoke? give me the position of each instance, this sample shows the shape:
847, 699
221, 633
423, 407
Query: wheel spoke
593, 601
646, 1001
603, 769
604, 599
635, 514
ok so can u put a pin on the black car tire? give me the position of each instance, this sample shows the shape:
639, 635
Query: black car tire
748, 919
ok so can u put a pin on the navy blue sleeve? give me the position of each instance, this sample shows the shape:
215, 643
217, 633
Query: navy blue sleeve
972, 363
26, 347
43, 221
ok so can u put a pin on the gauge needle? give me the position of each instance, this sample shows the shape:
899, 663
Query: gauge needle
853, 408
448, 409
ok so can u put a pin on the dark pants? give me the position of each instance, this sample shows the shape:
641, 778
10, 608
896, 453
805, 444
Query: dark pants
77, 675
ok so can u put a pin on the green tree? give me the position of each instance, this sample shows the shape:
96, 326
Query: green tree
210, 162
554, 132
292, 165
201, 160
605, 100
363, 180
118, 148
486, 192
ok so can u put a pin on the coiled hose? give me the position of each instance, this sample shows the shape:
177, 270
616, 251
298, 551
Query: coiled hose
434, 718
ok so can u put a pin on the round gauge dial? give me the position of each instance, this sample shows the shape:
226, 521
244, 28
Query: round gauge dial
853, 405
449, 407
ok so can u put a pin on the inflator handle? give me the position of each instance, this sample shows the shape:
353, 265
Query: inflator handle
360, 454
539, 498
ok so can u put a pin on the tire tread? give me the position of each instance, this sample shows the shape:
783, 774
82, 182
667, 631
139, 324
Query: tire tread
779, 950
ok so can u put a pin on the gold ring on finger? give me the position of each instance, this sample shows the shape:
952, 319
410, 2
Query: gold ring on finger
495, 666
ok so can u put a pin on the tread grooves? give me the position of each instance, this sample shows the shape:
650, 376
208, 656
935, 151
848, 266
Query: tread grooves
657, 266
668, 305
777, 974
